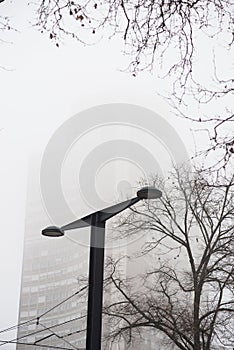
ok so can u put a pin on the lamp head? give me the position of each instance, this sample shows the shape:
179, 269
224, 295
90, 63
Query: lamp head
52, 231
149, 192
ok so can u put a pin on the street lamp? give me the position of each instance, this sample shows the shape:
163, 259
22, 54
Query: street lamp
97, 222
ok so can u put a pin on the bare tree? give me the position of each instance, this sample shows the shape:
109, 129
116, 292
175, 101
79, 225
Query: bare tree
5, 26
162, 36
187, 294
149, 28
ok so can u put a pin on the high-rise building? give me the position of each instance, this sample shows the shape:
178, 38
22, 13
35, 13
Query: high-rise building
52, 311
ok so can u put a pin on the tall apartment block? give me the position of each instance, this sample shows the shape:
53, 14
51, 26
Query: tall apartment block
50, 317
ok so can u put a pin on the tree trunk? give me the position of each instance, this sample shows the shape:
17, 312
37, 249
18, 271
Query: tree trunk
197, 344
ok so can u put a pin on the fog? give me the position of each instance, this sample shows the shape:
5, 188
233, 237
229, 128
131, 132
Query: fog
42, 86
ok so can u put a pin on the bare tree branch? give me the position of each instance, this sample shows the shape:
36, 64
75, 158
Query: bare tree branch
187, 298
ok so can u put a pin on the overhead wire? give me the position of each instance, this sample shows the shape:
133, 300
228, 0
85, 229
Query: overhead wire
42, 330
17, 325
42, 345
65, 335
63, 301
56, 335
74, 332
37, 319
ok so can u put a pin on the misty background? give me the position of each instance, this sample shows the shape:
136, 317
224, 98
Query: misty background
41, 87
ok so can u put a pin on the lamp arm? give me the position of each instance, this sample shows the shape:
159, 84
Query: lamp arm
109, 212
103, 214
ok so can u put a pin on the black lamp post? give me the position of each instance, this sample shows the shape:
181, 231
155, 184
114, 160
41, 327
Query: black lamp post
97, 222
